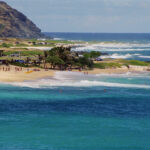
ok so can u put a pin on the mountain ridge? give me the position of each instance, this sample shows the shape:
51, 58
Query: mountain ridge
15, 24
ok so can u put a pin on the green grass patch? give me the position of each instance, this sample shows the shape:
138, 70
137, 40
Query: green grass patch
135, 62
5, 45
107, 65
19, 64
21, 45
25, 53
31, 53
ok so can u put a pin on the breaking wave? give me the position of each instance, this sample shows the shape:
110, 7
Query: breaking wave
117, 56
123, 56
74, 80
113, 47
45, 83
144, 56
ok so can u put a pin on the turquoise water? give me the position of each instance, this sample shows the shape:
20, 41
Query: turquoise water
79, 117
76, 112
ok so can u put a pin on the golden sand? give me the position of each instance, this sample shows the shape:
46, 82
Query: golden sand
121, 70
22, 75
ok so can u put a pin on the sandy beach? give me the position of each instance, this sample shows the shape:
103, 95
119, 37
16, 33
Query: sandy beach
121, 70
18, 74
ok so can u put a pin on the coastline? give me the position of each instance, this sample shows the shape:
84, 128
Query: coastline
23, 74
122, 70
19, 74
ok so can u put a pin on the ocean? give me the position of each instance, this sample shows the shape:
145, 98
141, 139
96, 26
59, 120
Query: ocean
117, 45
73, 111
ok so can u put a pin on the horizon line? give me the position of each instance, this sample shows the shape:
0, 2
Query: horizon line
98, 32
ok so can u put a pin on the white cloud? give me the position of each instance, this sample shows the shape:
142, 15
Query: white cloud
87, 15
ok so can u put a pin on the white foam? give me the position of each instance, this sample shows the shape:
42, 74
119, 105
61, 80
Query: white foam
117, 56
144, 56
114, 47
58, 39
83, 83
73, 80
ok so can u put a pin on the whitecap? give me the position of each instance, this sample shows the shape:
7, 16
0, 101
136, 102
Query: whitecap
103, 46
117, 56
83, 83
144, 56
71, 79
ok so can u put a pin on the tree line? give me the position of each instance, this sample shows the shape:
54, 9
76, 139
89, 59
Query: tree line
63, 58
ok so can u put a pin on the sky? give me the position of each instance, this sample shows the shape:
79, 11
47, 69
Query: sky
107, 16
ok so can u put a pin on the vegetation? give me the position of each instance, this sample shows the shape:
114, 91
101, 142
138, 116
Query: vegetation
58, 57
107, 65
63, 58
55, 61
25, 53
5, 45
21, 45
135, 62
19, 64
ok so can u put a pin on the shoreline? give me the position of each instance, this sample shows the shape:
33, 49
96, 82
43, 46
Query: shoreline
122, 70
20, 74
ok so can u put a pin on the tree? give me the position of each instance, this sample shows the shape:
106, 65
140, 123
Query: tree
40, 59
55, 61
94, 54
64, 54
85, 61
45, 57
87, 55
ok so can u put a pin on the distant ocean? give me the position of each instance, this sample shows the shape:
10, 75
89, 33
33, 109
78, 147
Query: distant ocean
73, 111
117, 45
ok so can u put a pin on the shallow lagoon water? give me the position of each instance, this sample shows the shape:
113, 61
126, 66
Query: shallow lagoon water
65, 117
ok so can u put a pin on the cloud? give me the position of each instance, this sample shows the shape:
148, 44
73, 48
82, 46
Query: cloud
87, 15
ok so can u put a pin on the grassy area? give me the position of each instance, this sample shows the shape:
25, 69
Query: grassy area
56, 41
21, 45
134, 62
25, 53
19, 64
5, 45
107, 65
32, 53
120, 63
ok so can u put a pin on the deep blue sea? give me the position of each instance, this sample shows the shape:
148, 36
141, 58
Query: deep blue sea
118, 37
73, 111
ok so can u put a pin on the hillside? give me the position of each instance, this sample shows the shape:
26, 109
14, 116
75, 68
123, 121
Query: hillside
15, 24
